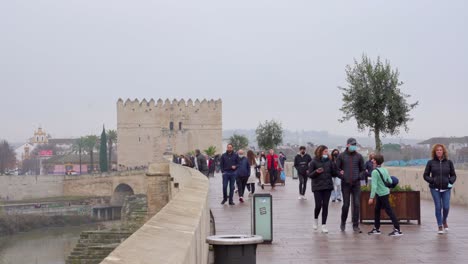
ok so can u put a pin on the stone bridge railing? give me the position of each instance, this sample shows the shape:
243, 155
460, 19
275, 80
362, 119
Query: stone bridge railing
176, 234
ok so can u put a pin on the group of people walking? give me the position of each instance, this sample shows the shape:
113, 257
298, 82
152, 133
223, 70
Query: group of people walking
338, 176
247, 171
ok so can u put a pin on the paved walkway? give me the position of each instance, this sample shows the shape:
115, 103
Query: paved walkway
296, 242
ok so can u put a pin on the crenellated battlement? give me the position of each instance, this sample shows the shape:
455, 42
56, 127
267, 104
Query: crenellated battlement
132, 104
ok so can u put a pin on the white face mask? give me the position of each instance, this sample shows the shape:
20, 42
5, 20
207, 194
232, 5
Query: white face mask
241, 156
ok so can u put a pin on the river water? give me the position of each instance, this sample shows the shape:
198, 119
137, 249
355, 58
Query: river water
45, 246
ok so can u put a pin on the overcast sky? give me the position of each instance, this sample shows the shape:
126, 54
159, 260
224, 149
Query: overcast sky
64, 63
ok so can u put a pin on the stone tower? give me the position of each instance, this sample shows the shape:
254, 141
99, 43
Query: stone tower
148, 129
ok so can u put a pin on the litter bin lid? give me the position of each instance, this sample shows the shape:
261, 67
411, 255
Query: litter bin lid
234, 240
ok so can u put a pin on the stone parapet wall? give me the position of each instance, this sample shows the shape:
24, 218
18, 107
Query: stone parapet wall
23, 187
177, 233
15, 188
413, 176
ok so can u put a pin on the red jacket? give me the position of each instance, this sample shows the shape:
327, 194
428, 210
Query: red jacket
275, 158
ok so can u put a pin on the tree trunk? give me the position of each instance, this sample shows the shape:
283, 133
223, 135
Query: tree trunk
92, 161
378, 142
80, 159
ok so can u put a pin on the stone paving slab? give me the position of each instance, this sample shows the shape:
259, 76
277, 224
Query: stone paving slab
296, 242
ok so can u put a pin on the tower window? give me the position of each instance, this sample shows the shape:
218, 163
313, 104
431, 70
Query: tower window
180, 125
171, 126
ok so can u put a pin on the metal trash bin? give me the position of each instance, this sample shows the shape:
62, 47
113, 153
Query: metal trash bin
262, 216
235, 249
295, 175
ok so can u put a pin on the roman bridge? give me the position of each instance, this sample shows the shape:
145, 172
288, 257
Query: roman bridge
114, 185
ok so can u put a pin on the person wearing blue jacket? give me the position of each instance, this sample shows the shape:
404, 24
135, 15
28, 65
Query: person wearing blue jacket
243, 174
229, 163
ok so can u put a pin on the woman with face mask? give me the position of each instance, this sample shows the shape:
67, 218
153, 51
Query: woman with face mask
322, 170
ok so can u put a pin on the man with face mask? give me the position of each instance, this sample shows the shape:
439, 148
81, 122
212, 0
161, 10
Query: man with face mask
301, 163
351, 166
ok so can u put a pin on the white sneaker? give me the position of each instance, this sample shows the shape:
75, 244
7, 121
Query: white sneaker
300, 197
324, 229
315, 224
303, 197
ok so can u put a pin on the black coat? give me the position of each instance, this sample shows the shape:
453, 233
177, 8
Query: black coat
202, 165
352, 163
301, 163
439, 173
228, 160
322, 181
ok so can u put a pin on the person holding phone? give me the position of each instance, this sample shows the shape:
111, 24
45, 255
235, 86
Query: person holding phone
322, 170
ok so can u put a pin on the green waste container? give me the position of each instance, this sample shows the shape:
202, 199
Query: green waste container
235, 249
262, 216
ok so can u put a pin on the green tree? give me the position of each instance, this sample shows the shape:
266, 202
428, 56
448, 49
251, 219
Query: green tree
7, 156
239, 141
391, 147
111, 140
103, 152
210, 151
78, 147
90, 143
374, 99
269, 134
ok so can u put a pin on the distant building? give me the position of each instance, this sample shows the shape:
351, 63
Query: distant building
148, 129
40, 137
453, 144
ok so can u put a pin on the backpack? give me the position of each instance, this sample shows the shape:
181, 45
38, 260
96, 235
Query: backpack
391, 185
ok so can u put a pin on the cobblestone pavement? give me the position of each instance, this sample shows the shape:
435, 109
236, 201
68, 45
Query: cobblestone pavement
296, 242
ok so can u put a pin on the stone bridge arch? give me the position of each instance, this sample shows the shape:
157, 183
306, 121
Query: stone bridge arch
121, 191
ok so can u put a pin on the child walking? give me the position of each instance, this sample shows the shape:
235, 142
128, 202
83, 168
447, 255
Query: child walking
381, 194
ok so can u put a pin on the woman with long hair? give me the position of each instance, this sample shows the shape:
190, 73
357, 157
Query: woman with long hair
336, 193
322, 170
262, 163
253, 169
440, 174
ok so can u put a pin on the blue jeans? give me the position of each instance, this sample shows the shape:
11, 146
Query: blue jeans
229, 178
442, 205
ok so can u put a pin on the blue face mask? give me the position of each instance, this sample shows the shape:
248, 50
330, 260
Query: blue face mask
352, 148
324, 157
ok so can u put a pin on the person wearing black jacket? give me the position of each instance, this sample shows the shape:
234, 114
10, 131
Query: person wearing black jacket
350, 164
202, 165
440, 174
322, 170
229, 163
301, 163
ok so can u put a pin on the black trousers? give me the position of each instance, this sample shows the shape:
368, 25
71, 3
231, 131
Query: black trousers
273, 177
241, 183
322, 199
384, 203
302, 184
251, 187
349, 191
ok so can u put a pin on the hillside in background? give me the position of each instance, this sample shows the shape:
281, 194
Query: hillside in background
318, 137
